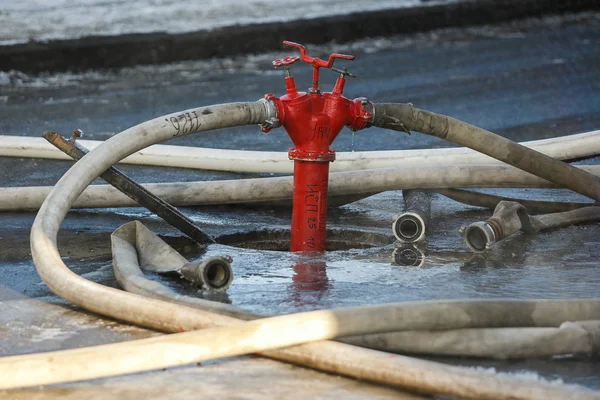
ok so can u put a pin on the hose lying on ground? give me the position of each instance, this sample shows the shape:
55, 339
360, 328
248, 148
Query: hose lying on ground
498, 343
234, 339
267, 190
133, 244
212, 273
510, 217
486, 200
332, 357
410, 226
562, 148
406, 118
182, 349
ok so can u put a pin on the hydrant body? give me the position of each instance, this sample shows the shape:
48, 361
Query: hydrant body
313, 120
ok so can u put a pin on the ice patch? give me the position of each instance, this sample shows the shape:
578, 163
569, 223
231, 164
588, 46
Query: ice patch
64, 19
40, 334
526, 375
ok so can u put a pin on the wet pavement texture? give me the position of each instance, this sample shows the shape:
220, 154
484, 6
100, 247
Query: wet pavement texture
525, 80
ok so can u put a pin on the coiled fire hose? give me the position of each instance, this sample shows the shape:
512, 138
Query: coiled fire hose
338, 358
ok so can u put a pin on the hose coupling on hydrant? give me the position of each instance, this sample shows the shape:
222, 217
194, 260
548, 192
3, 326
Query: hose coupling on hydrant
313, 120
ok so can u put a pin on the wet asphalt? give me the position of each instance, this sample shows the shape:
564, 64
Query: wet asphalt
525, 80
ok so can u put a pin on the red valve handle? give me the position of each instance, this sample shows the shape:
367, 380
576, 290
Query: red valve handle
285, 61
317, 62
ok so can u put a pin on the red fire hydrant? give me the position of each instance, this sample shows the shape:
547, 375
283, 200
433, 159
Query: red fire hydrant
313, 120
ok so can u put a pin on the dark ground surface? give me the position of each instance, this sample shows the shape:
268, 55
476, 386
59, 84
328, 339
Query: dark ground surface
526, 80
160, 47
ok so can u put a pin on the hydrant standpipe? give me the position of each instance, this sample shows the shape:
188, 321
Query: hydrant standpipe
313, 120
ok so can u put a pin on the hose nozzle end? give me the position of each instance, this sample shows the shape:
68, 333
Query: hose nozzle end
213, 273
479, 236
409, 227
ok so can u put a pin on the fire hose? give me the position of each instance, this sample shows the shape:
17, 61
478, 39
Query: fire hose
491, 201
135, 246
321, 116
510, 217
406, 118
411, 225
168, 317
257, 191
562, 148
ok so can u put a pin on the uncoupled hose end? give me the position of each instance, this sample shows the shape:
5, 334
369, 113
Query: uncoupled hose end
409, 227
213, 273
479, 236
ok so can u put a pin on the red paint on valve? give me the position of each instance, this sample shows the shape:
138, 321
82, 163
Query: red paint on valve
313, 120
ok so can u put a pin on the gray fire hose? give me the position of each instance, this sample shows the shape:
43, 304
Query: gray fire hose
510, 217
257, 191
486, 200
406, 118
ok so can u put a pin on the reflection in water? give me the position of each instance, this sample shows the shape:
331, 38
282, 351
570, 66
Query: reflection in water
309, 282
480, 262
481, 273
509, 255
173, 281
513, 254
221, 297
408, 254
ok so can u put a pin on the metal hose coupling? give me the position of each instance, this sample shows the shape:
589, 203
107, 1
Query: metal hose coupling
509, 217
479, 236
271, 117
365, 112
411, 225
213, 273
